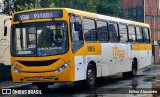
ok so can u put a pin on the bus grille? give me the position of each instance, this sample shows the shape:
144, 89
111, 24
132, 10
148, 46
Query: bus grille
38, 63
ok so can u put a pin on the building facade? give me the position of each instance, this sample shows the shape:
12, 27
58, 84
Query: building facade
147, 11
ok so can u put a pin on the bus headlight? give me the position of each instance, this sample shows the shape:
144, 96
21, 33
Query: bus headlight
15, 69
61, 68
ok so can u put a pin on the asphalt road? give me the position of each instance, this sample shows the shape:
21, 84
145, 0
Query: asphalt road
113, 86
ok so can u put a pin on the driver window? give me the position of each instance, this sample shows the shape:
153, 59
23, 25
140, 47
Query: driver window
76, 32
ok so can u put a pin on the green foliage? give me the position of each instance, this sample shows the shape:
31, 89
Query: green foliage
86, 5
106, 7
37, 4
20, 7
109, 7
52, 5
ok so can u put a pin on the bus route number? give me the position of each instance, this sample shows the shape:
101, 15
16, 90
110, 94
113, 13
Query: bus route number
24, 17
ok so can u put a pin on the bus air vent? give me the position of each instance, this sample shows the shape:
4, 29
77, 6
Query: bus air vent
38, 63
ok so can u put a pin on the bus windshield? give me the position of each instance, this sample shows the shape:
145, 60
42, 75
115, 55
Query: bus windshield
39, 39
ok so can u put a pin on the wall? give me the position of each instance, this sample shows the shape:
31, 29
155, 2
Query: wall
5, 41
151, 14
5, 63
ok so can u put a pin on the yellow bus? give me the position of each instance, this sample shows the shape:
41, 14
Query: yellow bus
66, 45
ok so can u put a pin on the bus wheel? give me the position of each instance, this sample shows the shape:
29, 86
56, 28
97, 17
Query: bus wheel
132, 73
90, 77
41, 85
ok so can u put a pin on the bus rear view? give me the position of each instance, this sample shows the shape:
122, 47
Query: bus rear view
40, 47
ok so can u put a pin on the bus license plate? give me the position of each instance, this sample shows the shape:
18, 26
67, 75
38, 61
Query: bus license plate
38, 77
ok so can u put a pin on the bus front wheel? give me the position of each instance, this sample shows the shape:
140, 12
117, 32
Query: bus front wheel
90, 77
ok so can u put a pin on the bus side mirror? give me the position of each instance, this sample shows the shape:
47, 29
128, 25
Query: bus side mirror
77, 26
5, 31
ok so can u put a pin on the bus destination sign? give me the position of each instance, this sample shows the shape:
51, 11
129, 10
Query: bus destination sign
41, 14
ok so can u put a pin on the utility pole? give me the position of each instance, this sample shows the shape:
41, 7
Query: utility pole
144, 4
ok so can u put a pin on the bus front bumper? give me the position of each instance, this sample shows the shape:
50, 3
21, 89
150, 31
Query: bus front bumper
49, 76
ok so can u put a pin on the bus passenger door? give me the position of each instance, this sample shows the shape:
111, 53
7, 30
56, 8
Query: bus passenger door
140, 48
148, 46
122, 48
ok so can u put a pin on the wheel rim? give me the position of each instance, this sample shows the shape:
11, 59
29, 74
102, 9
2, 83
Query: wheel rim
91, 76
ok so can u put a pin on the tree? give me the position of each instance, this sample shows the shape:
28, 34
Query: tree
20, 5
8, 7
106, 7
109, 7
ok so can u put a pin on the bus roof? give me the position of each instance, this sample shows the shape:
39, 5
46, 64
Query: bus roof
93, 15
105, 17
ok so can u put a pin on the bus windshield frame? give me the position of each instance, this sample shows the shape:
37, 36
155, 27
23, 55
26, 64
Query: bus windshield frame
39, 38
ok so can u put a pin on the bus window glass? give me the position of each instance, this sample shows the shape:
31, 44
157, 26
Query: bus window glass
77, 35
131, 31
146, 35
102, 31
89, 29
123, 33
46, 38
22, 42
139, 34
113, 32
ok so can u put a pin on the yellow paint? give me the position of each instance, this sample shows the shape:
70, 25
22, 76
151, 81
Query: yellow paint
66, 75
139, 24
141, 47
89, 48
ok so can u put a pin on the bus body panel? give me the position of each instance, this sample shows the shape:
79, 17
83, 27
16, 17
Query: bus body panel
90, 52
109, 58
122, 52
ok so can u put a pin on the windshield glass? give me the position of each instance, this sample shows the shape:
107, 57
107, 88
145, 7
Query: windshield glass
39, 39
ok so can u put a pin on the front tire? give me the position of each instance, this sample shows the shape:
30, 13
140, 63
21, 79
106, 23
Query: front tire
90, 77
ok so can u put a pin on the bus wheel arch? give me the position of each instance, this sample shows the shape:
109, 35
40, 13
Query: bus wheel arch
94, 65
133, 71
134, 67
91, 72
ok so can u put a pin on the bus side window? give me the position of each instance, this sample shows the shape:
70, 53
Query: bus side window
132, 34
89, 29
76, 32
123, 33
139, 34
146, 35
102, 31
113, 32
